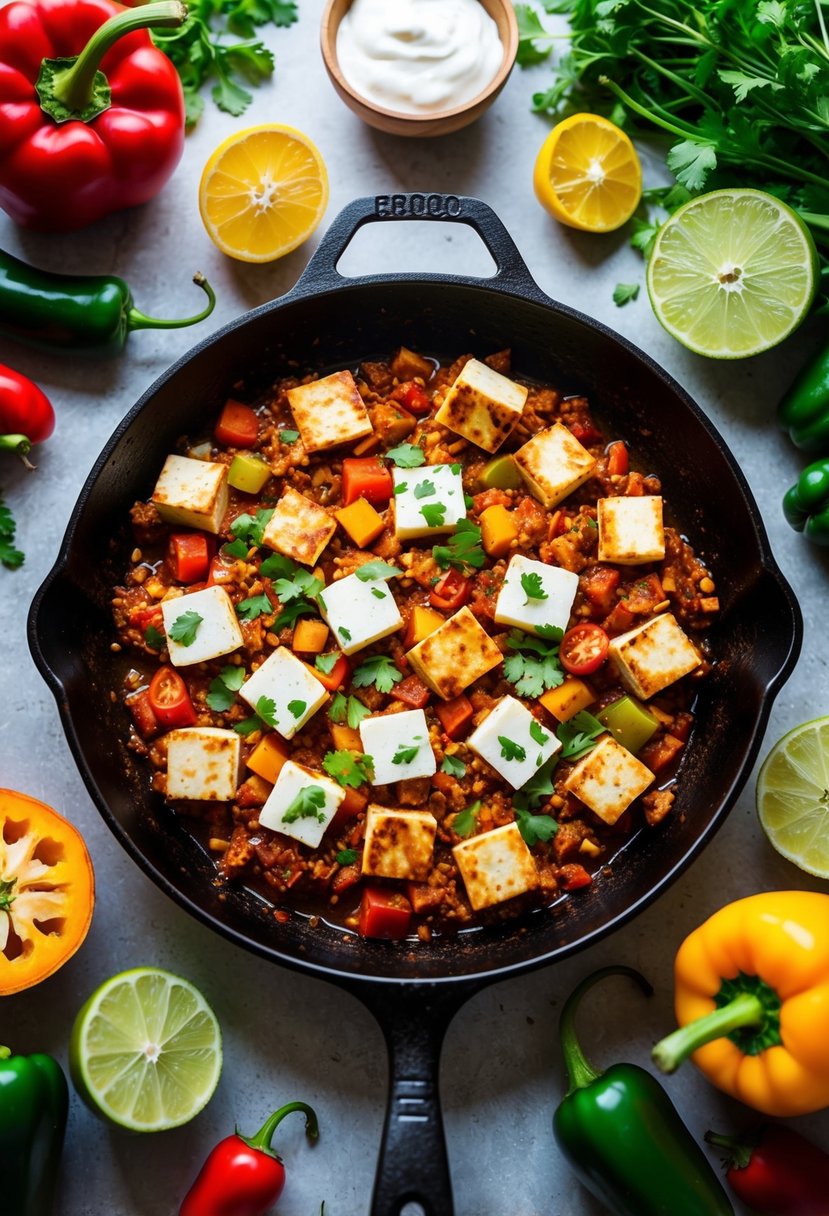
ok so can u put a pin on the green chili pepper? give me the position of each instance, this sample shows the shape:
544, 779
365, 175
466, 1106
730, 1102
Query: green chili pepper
87, 314
806, 503
623, 1137
804, 410
34, 1101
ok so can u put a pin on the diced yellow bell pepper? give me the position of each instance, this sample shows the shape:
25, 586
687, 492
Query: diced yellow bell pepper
248, 473
362, 523
345, 739
498, 530
422, 622
568, 699
310, 636
268, 757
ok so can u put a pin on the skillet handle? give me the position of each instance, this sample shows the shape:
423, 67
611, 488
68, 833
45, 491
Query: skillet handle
412, 1165
511, 275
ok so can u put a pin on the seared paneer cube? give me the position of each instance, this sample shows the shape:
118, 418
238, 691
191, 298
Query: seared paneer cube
631, 530
299, 528
553, 464
203, 763
191, 493
398, 844
398, 745
359, 611
482, 405
513, 742
608, 779
283, 692
652, 656
534, 594
457, 654
301, 804
495, 866
329, 412
428, 501
200, 626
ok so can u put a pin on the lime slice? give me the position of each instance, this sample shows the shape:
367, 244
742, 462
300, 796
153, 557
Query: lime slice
732, 273
793, 796
146, 1050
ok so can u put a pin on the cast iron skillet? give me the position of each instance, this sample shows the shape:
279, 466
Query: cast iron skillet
329, 322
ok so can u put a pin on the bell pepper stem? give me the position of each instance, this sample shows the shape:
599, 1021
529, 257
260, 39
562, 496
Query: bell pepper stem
262, 1139
73, 86
739, 1151
746, 1009
139, 320
580, 1073
19, 445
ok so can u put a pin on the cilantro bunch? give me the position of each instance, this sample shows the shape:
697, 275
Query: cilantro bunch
741, 87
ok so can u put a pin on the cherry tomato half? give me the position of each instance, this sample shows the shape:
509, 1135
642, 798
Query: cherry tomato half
583, 649
170, 700
450, 592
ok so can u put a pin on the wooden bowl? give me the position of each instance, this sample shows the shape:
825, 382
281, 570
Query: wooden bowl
441, 122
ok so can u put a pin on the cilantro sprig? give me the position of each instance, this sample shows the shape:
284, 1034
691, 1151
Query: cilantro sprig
349, 768
533, 587
534, 667
222, 692
406, 456
465, 822
434, 514
535, 827
578, 735
406, 752
347, 709
380, 671
308, 804
453, 766
185, 627
462, 549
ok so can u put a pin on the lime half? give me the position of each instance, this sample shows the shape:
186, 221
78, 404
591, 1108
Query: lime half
146, 1050
732, 273
793, 796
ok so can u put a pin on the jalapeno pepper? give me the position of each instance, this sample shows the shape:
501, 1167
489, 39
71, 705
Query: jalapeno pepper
806, 503
804, 410
87, 314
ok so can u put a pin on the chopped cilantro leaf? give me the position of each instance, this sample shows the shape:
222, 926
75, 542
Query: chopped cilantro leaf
301, 584
10, 557
462, 549
535, 667
377, 569
248, 726
407, 456
347, 709
223, 689
276, 565
406, 752
538, 789
466, 820
236, 548
185, 628
378, 594
288, 436
254, 607
453, 766
344, 633
297, 708
623, 293
535, 827
425, 490
153, 638
291, 613
327, 662
349, 768
511, 750
434, 513
250, 528
533, 587
266, 709
537, 734
346, 857
401, 489
578, 736
308, 804
379, 670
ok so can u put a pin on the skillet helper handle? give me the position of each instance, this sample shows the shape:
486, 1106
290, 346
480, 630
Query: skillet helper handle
511, 270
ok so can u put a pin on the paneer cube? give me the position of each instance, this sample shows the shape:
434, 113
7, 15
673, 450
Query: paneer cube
399, 844
192, 493
299, 528
203, 763
455, 655
301, 804
553, 464
399, 746
631, 530
427, 501
482, 405
608, 779
652, 656
359, 611
210, 632
287, 682
534, 594
513, 742
329, 412
495, 866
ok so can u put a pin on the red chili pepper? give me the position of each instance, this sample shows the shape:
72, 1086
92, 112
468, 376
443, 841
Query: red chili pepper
238, 426
412, 397
450, 592
365, 477
26, 416
170, 700
91, 114
777, 1171
243, 1175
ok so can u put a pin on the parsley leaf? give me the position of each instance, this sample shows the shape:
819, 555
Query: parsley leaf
462, 549
254, 607
406, 752
434, 513
250, 528
346, 857
425, 490
289, 437
535, 666
623, 293
377, 569
535, 827
347, 709
266, 709
453, 766
10, 557
465, 822
510, 750
578, 736
153, 638
349, 768
308, 804
297, 708
185, 628
533, 587
379, 670
406, 456
223, 689
327, 662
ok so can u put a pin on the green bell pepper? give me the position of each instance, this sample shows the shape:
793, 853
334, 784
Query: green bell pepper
804, 410
630, 723
806, 503
623, 1137
501, 473
34, 1102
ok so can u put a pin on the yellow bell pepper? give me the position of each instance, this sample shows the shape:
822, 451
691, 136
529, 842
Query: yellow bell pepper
752, 1002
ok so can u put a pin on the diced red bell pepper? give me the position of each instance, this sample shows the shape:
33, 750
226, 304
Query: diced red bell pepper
617, 458
384, 913
660, 752
455, 716
345, 878
584, 430
170, 700
413, 397
146, 723
619, 620
599, 585
450, 592
188, 555
367, 478
142, 618
412, 691
573, 876
336, 677
238, 426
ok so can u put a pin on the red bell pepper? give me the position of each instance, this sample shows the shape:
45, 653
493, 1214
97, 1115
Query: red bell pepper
455, 716
412, 397
189, 556
91, 114
777, 1171
412, 691
336, 677
238, 426
243, 1175
617, 458
384, 913
366, 478
170, 700
26, 416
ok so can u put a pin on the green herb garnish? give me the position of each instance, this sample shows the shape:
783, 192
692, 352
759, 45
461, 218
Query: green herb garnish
9, 556
297, 708
466, 820
434, 513
538, 789
377, 569
510, 750
308, 804
379, 670
533, 587
578, 735
223, 689
289, 437
276, 565
327, 662
535, 667
346, 857
266, 709
349, 768
347, 709
406, 752
301, 584
154, 638
535, 827
425, 490
254, 607
462, 549
406, 456
250, 528
185, 628
623, 293
453, 766
537, 734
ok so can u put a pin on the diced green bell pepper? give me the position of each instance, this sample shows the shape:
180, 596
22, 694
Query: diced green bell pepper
806, 503
630, 723
248, 473
500, 474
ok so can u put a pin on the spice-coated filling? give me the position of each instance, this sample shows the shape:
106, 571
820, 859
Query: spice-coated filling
413, 646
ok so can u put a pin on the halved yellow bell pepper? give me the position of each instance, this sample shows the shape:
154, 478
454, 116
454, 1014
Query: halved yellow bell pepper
752, 1002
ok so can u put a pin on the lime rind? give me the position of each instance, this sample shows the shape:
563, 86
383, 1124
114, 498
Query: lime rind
732, 273
793, 797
